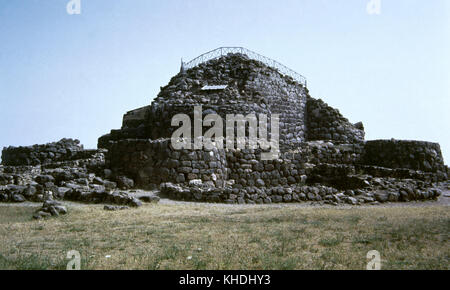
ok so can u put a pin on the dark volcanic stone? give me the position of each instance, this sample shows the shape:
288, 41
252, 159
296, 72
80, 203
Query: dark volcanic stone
124, 182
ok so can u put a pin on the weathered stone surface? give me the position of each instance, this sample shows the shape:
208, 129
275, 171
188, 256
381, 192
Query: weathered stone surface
149, 198
326, 123
63, 150
416, 155
50, 208
323, 157
124, 182
251, 87
114, 207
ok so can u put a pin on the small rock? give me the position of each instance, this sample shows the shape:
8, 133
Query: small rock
18, 198
42, 179
124, 182
195, 182
97, 180
352, 200
109, 185
114, 207
61, 209
134, 202
260, 182
381, 196
149, 198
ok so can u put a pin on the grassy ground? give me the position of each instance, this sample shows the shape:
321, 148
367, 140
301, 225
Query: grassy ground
209, 237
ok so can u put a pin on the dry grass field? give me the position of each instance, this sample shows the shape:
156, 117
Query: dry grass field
185, 236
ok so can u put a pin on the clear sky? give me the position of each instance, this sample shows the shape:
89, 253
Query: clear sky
75, 76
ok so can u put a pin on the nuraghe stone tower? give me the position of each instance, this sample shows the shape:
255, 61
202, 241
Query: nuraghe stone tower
323, 155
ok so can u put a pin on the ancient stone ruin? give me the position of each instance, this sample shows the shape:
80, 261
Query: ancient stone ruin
322, 156
318, 145
62, 170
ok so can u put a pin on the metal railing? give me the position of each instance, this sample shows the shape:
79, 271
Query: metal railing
222, 51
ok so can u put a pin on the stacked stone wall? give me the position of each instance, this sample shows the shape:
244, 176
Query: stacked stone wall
416, 155
155, 161
152, 162
326, 123
63, 150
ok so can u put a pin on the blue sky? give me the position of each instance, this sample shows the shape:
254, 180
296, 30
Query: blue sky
75, 76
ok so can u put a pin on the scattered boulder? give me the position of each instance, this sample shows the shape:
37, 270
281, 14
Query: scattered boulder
18, 198
50, 208
147, 197
43, 179
109, 185
114, 207
381, 196
124, 182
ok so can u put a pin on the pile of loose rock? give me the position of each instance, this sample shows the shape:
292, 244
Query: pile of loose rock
370, 191
102, 196
63, 183
115, 207
84, 180
373, 191
50, 208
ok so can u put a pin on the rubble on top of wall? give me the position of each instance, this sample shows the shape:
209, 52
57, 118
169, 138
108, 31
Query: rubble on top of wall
327, 123
64, 149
